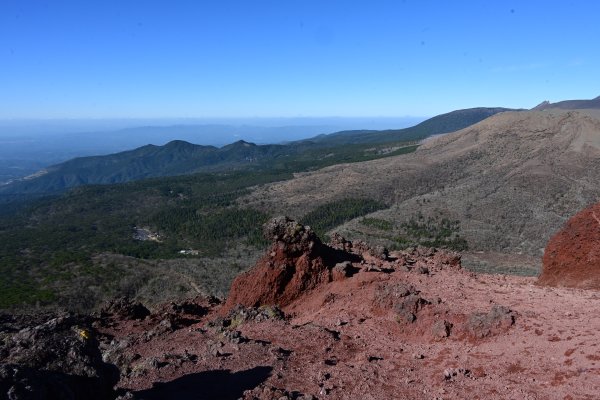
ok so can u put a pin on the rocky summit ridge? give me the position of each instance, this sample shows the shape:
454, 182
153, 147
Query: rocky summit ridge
569, 104
341, 320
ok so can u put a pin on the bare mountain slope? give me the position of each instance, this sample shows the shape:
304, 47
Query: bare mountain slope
512, 180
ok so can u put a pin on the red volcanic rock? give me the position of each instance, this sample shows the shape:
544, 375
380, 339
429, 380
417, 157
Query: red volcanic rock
572, 256
297, 262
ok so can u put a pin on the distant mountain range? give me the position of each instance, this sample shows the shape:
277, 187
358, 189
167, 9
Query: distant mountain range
180, 157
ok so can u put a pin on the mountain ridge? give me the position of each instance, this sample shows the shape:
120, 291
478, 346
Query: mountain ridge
440, 124
593, 104
180, 157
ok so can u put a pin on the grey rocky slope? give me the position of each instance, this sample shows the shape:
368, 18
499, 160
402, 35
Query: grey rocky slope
512, 180
593, 104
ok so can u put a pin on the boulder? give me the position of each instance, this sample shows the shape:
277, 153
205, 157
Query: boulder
125, 308
58, 359
572, 256
499, 319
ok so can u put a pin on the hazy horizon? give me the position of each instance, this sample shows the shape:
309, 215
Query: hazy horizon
84, 125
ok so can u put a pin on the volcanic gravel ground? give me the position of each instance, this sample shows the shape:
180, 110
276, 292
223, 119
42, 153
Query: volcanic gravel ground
339, 342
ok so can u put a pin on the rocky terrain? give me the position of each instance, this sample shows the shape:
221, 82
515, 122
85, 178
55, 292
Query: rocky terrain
510, 180
592, 104
314, 321
572, 257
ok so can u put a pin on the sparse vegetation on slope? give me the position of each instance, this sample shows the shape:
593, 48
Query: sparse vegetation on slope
432, 231
330, 215
377, 223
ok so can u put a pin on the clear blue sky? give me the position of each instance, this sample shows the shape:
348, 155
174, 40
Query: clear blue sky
284, 58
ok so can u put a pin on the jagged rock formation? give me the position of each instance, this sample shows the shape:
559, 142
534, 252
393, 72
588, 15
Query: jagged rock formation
296, 262
572, 257
125, 308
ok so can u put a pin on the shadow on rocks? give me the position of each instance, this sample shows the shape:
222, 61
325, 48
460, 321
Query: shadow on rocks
57, 359
217, 384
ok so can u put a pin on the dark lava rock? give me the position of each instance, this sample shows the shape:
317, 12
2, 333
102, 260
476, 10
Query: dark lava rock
291, 234
379, 252
340, 243
408, 307
240, 314
404, 299
58, 359
497, 320
125, 308
342, 270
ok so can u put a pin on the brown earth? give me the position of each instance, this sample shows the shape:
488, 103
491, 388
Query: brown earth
511, 180
572, 257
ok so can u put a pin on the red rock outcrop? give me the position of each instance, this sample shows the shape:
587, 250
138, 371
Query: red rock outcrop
297, 262
572, 256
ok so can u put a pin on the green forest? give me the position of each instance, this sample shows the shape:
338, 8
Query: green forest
48, 244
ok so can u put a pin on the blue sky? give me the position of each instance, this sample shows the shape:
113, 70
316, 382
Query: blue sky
253, 58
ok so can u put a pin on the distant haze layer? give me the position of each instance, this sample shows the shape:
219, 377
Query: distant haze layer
29, 145
312, 125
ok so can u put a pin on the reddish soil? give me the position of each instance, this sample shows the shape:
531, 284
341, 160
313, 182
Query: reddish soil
414, 325
572, 257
